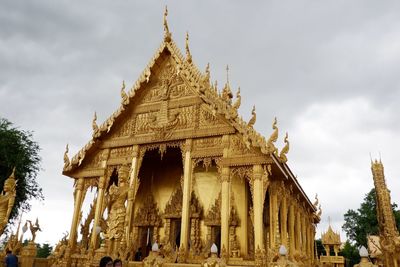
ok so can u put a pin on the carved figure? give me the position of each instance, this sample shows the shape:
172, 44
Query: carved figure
117, 197
7, 198
34, 228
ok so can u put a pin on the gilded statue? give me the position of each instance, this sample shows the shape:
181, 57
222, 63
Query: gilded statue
116, 202
7, 198
34, 228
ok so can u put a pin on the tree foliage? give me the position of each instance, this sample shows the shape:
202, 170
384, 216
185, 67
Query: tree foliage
44, 250
19, 150
363, 222
350, 253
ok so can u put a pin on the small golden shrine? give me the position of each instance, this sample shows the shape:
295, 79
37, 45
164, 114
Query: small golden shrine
331, 242
389, 239
176, 165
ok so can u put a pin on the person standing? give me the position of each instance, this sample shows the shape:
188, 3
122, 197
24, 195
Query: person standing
106, 261
117, 263
11, 260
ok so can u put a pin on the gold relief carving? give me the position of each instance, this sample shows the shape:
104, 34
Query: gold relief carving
142, 122
196, 209
122, 152
206, 162
207, 118
126, 129
186, 117
173, 209
213, 216
148, 214
245, 172
206, 143
94, 161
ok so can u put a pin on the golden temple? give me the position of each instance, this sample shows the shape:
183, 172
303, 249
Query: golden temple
177, 166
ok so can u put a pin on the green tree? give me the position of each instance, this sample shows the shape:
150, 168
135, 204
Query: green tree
17, 149
44, 250
351, 254
363, 222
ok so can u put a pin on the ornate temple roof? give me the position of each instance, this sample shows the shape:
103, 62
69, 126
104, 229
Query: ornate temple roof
219, 103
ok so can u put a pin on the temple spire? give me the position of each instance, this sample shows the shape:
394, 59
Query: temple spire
188, 55
227, 74
167, 34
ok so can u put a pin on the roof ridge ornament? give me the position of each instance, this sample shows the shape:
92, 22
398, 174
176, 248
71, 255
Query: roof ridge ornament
188, 55
252, 121
66, 158
124, 96
272, 139
238, 101
167, 34
285, 149
95, 127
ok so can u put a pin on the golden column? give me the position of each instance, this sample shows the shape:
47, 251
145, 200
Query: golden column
291, 230
187, 186
284, 212
100, 197
77, 208
225, 208
274, 216
133, 186
298, 230
258, 191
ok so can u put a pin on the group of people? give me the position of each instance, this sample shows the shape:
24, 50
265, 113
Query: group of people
108, 262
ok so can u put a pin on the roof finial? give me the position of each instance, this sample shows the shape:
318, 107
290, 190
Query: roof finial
272, 139
188, 55
238, 101
252, 120
66, 158
227, 74
167, 34
208, 71
285, 149
95, 127
329, 220
124, 96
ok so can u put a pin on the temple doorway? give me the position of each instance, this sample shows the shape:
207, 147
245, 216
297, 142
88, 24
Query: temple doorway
175, 235
145, 240
216, 237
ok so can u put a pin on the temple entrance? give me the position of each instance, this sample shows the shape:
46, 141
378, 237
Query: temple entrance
175, 235
216, 237
145, 240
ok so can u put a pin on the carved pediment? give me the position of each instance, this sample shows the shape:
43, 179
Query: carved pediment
173, 209
213, 216
196, 209
148, 214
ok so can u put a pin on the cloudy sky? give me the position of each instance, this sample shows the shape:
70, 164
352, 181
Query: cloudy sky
329, 70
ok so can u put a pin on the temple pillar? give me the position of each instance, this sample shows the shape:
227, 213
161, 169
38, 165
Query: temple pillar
297, 230
133, 186
303, 233
99, 202
258, 206
100, 198
77, 210
225, 208
284, 212
291, 230
187, 185
273, 217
